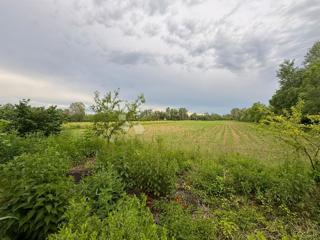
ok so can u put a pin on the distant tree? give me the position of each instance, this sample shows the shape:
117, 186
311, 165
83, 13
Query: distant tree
237, 114
77, 112
215, 116
183, 114
193, 116
168, 113
113, 115
256, 113
27, 119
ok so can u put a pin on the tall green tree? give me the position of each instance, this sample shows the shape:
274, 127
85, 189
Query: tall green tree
299, 82
290, 80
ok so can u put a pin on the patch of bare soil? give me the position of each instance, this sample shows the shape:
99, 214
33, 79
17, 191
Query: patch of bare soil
82, 170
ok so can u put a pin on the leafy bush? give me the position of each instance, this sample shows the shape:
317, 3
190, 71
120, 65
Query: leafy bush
113, 115
102, 190
130, 220
26, 119
12, 145
81, 223
34, 189
144, 167
288, 184
77, 148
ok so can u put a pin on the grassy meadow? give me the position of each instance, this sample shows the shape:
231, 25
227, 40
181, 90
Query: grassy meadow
211, 138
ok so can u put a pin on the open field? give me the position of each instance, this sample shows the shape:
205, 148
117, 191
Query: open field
211, 138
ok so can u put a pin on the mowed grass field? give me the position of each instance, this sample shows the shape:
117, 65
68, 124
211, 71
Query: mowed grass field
212, 138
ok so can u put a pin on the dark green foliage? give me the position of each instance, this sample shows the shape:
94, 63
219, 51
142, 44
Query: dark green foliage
34, 189
4, 125
176, 114
310, 90
102, 190
298, 83
145, 167
26, 119
256, 113
290, 79
7, 112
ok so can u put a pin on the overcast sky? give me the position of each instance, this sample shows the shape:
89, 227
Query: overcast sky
205, 55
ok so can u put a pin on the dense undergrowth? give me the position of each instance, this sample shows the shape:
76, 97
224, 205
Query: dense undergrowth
133, 189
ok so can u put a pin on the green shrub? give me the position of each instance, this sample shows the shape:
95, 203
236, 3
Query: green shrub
130, 220
288, 184
12, 145
26, 119
144, 167
77, 148
102, 190
292, 185
81, 223
183, 225
34, 189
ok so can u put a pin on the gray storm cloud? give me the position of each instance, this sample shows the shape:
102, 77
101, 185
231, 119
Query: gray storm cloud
203, 55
